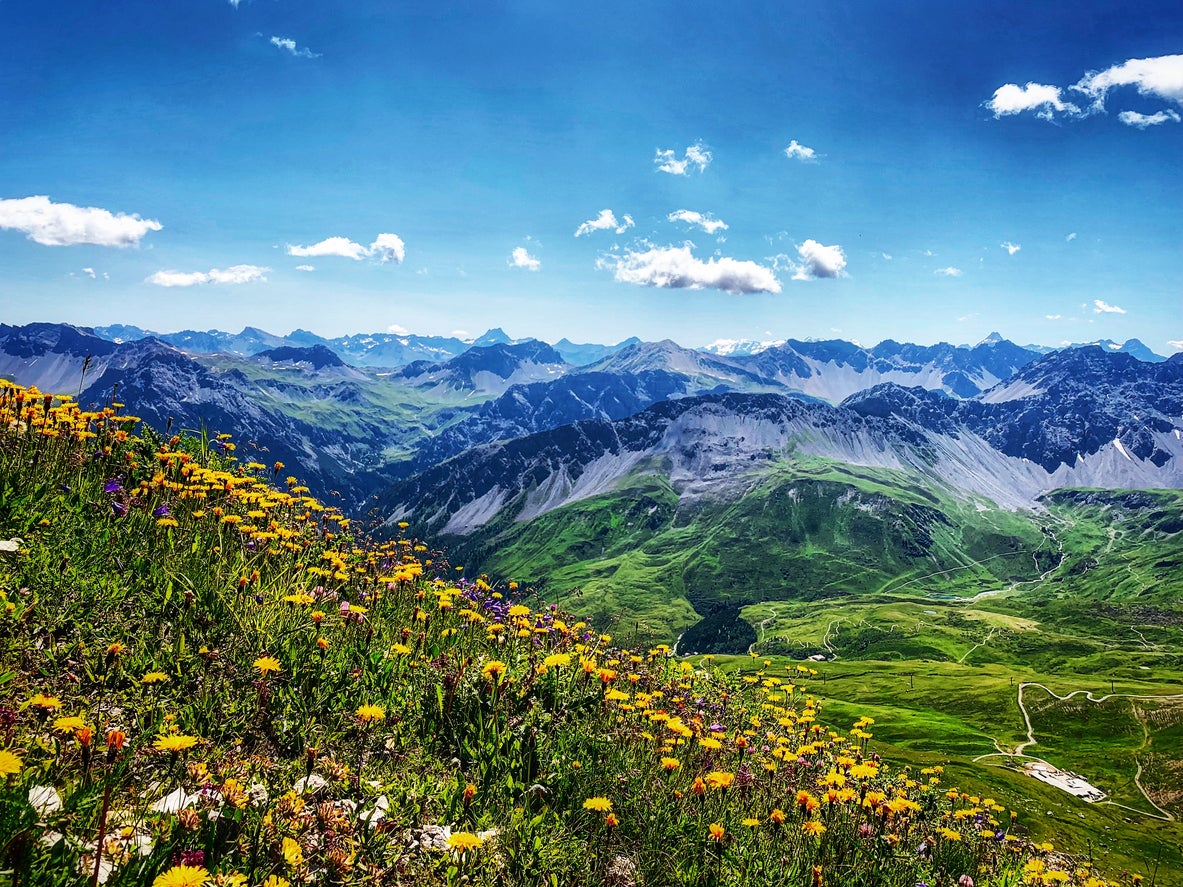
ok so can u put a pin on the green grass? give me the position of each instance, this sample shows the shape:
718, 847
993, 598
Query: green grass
812, 530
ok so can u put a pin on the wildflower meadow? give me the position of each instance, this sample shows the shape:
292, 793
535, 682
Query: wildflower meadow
209, 677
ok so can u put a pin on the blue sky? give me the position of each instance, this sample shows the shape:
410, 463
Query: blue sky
923, 171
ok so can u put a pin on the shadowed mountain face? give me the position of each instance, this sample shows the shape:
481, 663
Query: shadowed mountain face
489, 369
1060, 410
1087, 415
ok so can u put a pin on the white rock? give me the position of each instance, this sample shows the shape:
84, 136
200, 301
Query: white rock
45, 799
310, 784
175, 802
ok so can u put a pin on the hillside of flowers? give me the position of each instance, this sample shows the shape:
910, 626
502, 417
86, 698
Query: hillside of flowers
209, 677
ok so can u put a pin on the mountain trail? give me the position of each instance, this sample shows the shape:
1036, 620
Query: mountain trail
1018, 752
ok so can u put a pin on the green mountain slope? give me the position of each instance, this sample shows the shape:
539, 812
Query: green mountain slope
641, 561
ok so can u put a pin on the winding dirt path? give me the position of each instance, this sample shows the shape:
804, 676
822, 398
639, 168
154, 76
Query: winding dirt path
980, 643
1018, 752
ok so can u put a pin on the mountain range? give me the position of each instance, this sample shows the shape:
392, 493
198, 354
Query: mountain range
645, 477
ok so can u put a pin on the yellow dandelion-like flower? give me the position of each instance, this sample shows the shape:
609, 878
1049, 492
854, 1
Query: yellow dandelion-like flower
557, 660
464, 841
599, 805
751, 822
299, 599
719, 779
274, 881
717, 832
45, 703
267, 664
370, 714
813, 827
182, 876
69, 724
154, 677
293, 854
494, 670
864, 771
175, 744
10, 763
670, 764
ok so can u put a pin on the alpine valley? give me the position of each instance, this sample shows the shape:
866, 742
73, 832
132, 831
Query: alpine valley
672, 490
962, 540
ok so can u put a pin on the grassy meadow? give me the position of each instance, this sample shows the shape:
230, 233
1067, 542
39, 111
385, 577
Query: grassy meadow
209, 677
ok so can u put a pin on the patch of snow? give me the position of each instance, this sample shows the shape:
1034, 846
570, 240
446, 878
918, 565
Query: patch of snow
1065, 781
1016, 390
1121, 449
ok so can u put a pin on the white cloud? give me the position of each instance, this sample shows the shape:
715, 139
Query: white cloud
1054, 316
1177, 344
288, 44
235, 3
331, 246
819, 261
605, 221
235, 274
385, 248
1041, 98
397, 330
949, 272
1071, 237
305, 267
797, 151
1161, 77
522, 259
696, 156
388, 248
1100, 307
886, 256
1141, 121
63, 224
674, 267
89, 272
1011, 248
707, 222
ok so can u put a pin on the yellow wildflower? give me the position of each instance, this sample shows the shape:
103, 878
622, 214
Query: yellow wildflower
464, 841
10, 763
182, 876
175, 744
370, 714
